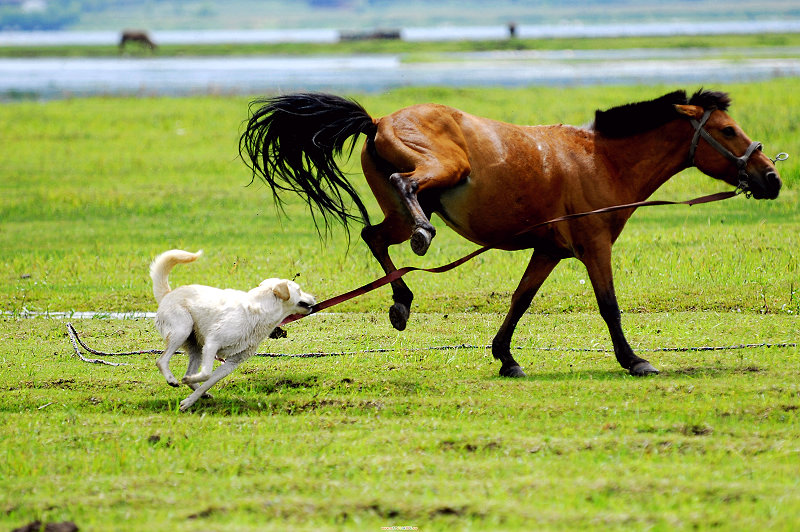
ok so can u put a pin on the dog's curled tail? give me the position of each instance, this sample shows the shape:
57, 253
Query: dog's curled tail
163, 264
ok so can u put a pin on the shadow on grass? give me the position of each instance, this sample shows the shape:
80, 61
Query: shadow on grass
225, 406
714, 371
228, 403
237, 406
621, 374
568, 375
294, 395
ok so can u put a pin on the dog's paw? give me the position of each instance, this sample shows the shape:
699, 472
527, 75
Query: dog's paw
186, 405
197, 377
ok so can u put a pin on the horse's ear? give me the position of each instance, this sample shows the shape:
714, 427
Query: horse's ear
692, 111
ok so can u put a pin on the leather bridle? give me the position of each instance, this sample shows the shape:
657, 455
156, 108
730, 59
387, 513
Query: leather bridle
740, 162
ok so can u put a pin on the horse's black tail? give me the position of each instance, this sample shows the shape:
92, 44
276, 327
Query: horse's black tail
290, 142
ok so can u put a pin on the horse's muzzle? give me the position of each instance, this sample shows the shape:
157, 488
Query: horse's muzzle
765, 186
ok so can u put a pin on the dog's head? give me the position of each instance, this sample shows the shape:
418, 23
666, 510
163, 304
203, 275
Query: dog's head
294, 300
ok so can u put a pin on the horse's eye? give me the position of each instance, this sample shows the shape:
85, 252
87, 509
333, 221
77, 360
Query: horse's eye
729, 132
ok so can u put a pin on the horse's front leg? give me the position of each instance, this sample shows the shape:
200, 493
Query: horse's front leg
537, 271
598, 265
379, 238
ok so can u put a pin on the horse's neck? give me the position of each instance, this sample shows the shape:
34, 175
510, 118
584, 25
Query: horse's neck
646, 161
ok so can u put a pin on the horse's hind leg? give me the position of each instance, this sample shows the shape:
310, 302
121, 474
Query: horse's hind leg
423, 231
403, 218
535, 274
411, 157
378, 238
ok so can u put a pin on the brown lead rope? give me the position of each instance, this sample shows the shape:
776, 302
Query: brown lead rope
397, 274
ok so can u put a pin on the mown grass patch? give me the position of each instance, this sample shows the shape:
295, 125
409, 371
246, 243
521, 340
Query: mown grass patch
92, 189
429, 438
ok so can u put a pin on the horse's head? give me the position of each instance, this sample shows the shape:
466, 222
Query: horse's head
722, 150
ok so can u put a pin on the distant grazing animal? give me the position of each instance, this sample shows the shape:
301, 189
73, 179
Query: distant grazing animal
136, 36
212, 323
492, 182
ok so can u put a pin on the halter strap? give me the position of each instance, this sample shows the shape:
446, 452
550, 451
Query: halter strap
700, 131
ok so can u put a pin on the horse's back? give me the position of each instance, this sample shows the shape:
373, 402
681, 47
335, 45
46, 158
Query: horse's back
430, 134
512, 175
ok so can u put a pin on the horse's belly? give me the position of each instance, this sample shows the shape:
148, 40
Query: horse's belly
489, 216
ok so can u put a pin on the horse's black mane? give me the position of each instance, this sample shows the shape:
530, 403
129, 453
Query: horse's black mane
634, 118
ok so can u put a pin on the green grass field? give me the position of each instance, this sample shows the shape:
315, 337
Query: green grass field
92, 189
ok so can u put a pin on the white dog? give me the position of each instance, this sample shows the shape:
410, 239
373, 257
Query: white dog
213, 323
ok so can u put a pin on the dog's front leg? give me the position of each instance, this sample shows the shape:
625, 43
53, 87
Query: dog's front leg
222, 371
231, 363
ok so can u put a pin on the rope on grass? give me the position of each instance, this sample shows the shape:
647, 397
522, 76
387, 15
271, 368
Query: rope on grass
75, 339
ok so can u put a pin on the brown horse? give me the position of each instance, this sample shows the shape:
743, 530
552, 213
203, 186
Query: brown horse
136, 36
491, 181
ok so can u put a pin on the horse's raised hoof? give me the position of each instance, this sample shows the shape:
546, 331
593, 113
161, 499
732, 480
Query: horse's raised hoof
643, 369
421, 240
512, 371
398, 315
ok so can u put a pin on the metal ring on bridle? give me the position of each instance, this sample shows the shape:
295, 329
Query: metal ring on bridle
782, 156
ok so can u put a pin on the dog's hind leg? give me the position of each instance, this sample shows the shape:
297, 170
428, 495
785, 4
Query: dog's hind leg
195, 353
231, 363
207, 360
176, 332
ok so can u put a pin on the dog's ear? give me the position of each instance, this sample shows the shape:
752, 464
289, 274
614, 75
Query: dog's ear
281, 290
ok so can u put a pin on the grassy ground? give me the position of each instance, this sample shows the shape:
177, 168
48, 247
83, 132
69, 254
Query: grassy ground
91, 190
411, 437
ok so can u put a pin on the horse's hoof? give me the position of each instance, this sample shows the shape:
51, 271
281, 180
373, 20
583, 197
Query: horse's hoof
421, 240
398, 315
643, 369
512, 371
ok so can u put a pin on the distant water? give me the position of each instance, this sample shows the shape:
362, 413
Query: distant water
151, 75
53, 38
49, 78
